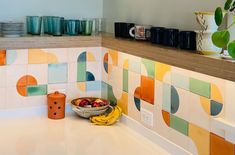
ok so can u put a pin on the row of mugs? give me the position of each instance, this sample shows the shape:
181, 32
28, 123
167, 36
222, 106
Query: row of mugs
58, 26
157, 35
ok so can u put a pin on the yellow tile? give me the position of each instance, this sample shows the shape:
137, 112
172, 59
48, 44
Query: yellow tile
37, 56
81, 86
123, 103
205, 102
216, 94
51, 58
160, 70
90, 57
201, 138
126, 64
114, 56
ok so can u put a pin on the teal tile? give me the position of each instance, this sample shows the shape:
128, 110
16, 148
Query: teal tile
179, 124
57, 73
216, 108
11, 56
82, 57
135, 66
137, 103
81, 71
93, 86
175, 100
125, 80
180, 81
150, 67
90, 76
166, 105
36, 90
200, 87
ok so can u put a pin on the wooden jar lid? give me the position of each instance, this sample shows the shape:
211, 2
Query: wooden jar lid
56, 95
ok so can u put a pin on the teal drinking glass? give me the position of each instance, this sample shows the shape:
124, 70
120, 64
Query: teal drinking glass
45, 24
28, 24
73, 27
49, 24
35, 25
57, 26
86, 26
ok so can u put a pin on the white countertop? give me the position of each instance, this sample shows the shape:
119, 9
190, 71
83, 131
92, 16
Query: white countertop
39, 135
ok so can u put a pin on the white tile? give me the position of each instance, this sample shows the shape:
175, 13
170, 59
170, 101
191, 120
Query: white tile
122, 58
32, 101
93, 94
51, 88
230, 102
14, 99
158, 93
17, 57
57, 55
3, 75
134, 81
95, 69
197, 115
2, 98
73, 53
72, 72
133, 112
39, 71
115, 77
74, 92
14, 73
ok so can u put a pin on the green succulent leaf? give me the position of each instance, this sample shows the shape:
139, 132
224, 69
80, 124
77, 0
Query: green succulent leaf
233, 3
231, 49
218, 16
227, 5
221, 38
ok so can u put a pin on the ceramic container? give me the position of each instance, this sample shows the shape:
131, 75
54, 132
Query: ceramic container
206, 21
140, 32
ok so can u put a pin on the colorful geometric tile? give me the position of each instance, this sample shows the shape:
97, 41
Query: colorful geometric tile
137, 92
135, 66
3, 76
219, 146
93, 86
13, 73
216, 108
57, 55
179, 124
166, 117
37, 56
125, 80
90, 76
216, 94
57, 73
106, 66
126, 64
114, 57
147, 89
82, 86
201, 139
123, 103
17, 57
150, 67
166, 105
23, 83
104, 90
137, 103
39, 71
133, 82
90, 57
206, 104
36, 90
133, 112
2, 57
160, 70
82, 57
180, 81
106, 58
174, 100
200, 87
81, 71
94, 68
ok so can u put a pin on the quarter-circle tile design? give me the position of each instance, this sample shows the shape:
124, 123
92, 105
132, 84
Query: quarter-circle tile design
23, 82
174, 100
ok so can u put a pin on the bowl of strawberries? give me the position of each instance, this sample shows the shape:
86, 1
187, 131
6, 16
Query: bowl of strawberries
89, 106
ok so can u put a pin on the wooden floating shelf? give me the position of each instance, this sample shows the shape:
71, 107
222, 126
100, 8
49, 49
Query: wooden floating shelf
213, 66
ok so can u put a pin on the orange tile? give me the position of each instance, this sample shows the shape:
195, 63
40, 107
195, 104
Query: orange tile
2, 57
137, 92
219, 146
166, 117
22, 90
106, 57
147, 89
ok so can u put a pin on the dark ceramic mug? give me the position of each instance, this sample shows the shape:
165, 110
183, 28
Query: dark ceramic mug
171, 37
157, 35
187, 40
122, 29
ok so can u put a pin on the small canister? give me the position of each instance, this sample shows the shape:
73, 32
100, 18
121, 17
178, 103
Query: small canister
56, 105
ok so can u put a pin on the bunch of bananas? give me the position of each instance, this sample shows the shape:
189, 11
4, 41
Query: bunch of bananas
109, 118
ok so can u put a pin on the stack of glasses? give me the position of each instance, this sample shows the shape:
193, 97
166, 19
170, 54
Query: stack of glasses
11, 29
58, 26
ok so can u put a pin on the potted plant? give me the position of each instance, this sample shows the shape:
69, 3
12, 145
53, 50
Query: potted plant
221, 38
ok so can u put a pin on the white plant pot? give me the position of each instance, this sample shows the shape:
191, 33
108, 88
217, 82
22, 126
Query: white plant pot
206, 21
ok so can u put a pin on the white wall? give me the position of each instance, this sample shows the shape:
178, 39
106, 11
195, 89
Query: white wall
16, 10
168, 13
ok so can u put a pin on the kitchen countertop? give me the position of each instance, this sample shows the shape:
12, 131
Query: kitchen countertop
38, 135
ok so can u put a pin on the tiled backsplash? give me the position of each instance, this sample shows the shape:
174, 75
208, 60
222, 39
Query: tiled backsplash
176, 103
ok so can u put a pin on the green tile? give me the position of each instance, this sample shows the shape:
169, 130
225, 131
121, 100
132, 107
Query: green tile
125, 80
104, 90
166, 105
179, 124
112, 99
36, 90
81, 72
150, 67
200, 87
180, 81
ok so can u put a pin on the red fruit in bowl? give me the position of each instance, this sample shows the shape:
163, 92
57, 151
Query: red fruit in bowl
84, 103
95, 104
